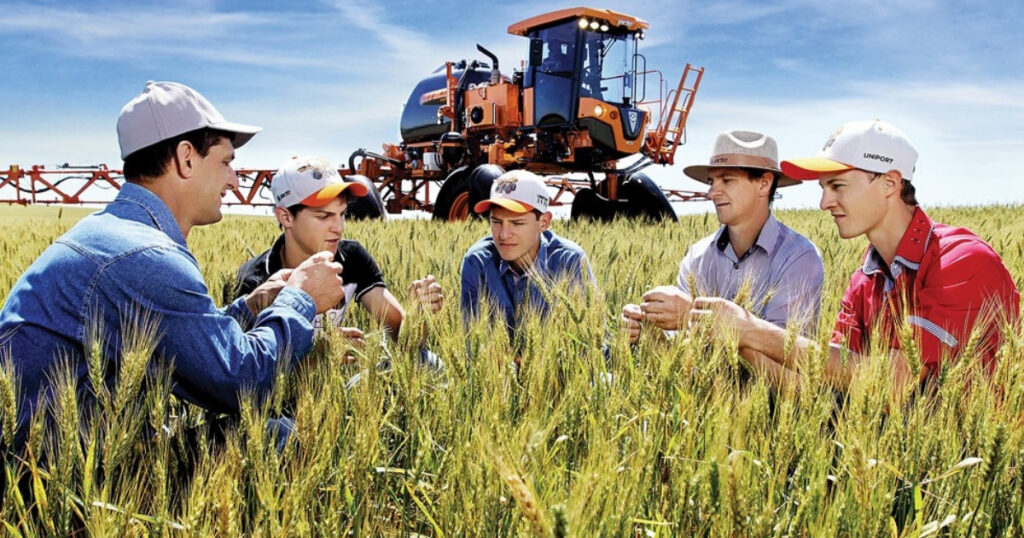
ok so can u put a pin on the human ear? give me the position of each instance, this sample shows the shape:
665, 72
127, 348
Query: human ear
284, 217
893, 181
184, 156
545, 221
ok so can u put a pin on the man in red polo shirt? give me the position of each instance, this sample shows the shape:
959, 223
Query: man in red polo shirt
945, 280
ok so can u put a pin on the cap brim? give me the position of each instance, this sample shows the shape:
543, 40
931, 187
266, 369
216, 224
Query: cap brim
323, 196
506, 203
243, 133
699, 172
812, 167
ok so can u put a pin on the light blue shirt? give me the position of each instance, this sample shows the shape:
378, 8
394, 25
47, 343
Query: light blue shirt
782, 274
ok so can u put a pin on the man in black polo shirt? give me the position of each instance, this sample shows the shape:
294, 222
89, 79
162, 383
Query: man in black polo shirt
311, 199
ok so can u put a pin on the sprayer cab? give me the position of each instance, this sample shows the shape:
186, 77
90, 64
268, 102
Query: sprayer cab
581, 77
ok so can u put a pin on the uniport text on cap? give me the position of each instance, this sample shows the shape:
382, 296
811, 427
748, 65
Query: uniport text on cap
874, 146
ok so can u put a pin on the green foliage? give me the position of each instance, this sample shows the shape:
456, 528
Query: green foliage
668, 438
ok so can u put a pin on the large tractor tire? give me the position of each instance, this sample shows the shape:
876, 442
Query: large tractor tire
370, 206
463, 189
452, 201
590, 205
480, 182
639, 197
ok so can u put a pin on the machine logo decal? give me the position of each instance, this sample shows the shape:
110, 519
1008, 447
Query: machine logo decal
505, 186
634, 117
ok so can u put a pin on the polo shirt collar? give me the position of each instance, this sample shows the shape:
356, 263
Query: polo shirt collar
273, 262
767, 238
540, 262
909, 252
156, 208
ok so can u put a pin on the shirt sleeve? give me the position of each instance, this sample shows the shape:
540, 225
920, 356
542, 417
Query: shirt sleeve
970, 286
472, 274
213, 358
580, 270
361, 269
685, 268
797, 294
849, 327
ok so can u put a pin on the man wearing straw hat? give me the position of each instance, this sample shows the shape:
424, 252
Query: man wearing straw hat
938, 283
521, 255
752, 254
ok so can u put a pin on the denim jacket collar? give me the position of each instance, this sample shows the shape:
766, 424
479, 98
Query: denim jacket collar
155, 207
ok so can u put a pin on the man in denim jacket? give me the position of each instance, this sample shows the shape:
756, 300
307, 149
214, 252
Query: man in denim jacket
130, 262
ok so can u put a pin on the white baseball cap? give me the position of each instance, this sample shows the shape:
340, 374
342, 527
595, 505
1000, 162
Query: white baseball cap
310, 181
167, 109
519, 191
874, 146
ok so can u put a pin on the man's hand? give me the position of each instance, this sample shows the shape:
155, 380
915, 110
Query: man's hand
426, 293
729, 319
265, 293
319, 276
667, 307
631, 318
356, 338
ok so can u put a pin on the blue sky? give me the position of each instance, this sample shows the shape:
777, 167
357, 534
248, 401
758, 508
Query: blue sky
325, 78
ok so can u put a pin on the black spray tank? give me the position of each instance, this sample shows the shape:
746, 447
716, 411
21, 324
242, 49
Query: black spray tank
419, 118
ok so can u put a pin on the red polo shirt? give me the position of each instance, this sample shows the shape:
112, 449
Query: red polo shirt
945, 279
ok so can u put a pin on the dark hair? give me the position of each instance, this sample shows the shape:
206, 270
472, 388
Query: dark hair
908, 193
756, 173
294, 209
536, 212
152, 161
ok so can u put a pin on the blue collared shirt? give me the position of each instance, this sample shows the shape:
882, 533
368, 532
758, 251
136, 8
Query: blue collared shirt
781, 275
485, 273
130, 262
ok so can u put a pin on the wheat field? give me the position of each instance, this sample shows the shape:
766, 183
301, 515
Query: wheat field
668, 438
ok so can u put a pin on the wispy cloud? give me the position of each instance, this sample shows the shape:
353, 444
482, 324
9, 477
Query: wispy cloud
152, 24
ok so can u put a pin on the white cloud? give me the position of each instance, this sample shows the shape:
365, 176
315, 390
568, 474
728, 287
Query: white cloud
136, 23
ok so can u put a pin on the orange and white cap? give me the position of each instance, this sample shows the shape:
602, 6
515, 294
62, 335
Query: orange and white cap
519, 191
310, 181
874, 146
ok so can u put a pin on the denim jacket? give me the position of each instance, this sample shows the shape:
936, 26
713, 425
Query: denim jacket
130, 262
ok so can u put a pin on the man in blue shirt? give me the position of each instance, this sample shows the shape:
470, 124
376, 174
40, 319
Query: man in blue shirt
752, 257
130, 262
521, 256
